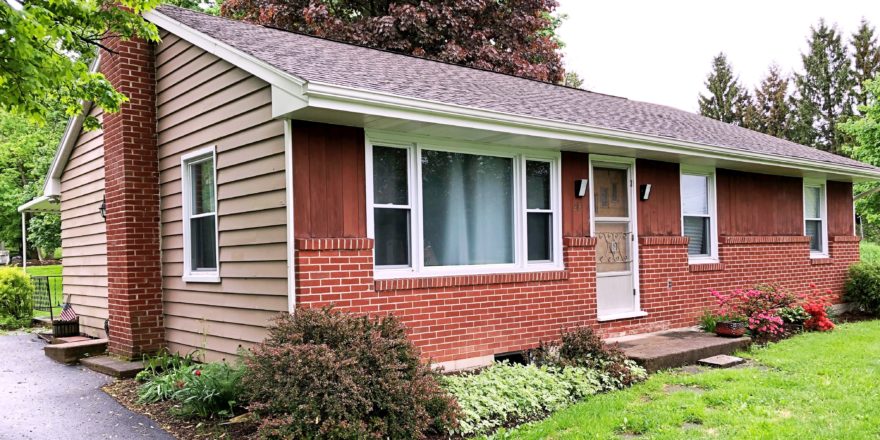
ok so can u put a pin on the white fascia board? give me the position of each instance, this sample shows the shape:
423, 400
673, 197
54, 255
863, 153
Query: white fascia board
332, 97
249, 63
52, 185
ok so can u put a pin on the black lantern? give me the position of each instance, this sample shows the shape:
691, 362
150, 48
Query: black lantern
103, 208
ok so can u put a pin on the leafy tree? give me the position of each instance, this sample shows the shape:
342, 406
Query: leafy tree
44, 230
572, 79
26, 151
866, 59
823, 91
865, 134
727, 100
770, 109
516, 37
46, 47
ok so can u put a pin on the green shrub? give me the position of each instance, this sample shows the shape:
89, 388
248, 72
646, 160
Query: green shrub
208, 390
505, 394
203, 390
16, 298
863, 287
582, 347
163, 361
708, 321
327, 374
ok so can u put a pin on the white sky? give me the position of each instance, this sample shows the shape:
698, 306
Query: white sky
661, 51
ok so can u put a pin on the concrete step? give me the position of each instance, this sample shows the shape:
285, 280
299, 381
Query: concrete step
72, 352
113, 366
677, 348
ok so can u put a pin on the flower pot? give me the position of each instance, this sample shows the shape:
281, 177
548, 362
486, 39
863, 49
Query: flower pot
730, 328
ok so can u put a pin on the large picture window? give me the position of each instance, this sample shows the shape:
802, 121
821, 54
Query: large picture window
200, 216
698, 221
815, 225
436, 210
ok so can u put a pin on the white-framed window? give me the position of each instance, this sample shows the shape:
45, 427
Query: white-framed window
200, 237
446, 209
815, 223
699, 221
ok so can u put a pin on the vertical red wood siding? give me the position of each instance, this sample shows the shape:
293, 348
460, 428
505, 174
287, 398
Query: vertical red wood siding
329, 181
575, 211
840, 208
661, 213
759, 204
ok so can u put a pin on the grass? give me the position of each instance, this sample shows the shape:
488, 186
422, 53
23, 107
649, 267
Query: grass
870, 252
818, 385
54, 270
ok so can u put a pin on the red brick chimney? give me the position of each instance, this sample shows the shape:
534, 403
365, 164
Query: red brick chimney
131, 189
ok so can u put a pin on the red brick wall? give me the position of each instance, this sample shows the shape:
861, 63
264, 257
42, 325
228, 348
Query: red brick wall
462, 317
134, 281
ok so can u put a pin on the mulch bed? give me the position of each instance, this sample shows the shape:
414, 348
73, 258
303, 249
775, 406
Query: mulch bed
125, 392
854, 316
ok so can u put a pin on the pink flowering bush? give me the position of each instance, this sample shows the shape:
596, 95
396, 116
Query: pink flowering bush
759, 307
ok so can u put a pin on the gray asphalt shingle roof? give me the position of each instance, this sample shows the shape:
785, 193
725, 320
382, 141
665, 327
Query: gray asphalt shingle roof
341, 64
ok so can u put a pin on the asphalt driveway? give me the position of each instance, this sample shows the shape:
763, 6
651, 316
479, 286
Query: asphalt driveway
41, 399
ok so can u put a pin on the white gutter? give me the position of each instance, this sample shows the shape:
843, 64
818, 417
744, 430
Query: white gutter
333, 97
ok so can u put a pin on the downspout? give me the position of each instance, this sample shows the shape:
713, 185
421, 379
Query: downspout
291, 241
24, 241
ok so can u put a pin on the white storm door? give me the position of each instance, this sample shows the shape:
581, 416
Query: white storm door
613, 227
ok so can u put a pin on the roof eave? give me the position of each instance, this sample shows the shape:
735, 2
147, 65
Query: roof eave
333, 97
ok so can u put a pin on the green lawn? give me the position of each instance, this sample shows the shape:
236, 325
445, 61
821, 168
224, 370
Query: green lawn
44, 270
809, 387
56, 291
870, 251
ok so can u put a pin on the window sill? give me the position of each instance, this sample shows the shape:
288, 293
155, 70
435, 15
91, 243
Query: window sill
619, 316
422, 282
213, 279
820, 260
705, 266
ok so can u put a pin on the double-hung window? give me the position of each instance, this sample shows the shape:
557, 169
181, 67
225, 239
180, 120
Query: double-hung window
438, 210
815, 225
200, 249
698, 220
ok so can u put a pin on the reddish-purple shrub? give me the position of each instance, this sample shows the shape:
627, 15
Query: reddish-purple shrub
327, 374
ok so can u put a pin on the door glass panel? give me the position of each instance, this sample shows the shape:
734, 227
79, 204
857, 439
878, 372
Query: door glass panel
613, 245
610, 195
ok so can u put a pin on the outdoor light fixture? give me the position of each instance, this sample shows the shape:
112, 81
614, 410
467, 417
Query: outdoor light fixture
103, 208
580, 187
645, 191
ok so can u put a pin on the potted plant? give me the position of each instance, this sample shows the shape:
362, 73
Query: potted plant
731, 325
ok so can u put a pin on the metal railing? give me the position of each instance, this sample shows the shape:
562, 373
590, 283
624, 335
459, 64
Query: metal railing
47, 293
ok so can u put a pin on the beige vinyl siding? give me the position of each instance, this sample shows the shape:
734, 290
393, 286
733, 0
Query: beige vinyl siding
204, 101
83, 231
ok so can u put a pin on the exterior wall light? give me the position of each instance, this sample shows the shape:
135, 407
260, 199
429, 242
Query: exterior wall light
103, 208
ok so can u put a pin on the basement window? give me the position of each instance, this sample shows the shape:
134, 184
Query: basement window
815, 225
437, 210
200, 248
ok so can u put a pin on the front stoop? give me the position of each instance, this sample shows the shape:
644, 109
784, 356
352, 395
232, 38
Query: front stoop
113, 366
72, 352
677, 348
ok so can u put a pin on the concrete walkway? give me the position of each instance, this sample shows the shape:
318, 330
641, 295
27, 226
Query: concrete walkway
41, 399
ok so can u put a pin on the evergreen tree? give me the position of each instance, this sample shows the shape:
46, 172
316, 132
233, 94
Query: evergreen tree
866, 57
769, 113
823, 91
727, 100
